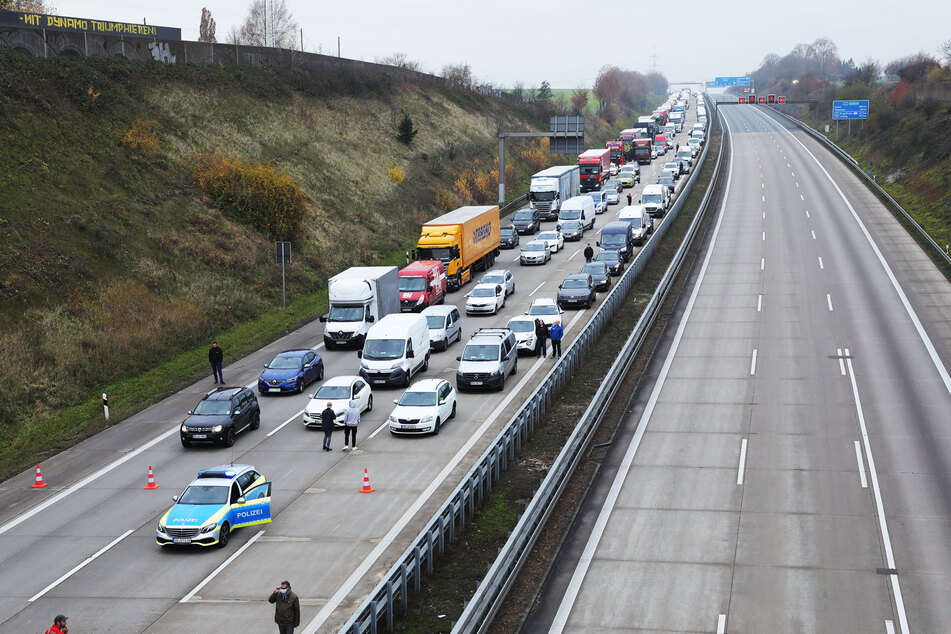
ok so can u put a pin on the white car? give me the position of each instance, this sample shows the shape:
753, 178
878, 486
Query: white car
338, 391
445, 325
423, 408
612, 196
694, 145
613, 169
524, 328
485, 299
555, 240
535, 252
503, 277
546, 309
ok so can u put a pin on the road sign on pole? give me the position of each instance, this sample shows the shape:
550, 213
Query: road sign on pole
732, 81
854, 109
781, 99
283, 254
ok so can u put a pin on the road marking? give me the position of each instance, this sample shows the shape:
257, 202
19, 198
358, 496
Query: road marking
829, 300
721, 624
82, 565
889, 627
797, 185
820, 263
753, 363
764, 235
841, 361
858, 458
742, 469
574, 254
759, 303
283, 425
802, 197
762, 264
536, 289
807, 214
764, 199
763, 185
764, 215
813, 235
223, 565
880, 509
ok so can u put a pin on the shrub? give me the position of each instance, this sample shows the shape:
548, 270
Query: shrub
257, 195
396, 174
140, 138
444, 199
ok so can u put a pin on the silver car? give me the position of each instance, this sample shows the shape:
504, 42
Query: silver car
535, 252
502, 277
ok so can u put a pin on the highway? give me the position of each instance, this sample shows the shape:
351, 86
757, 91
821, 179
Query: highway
784, 464
85, 545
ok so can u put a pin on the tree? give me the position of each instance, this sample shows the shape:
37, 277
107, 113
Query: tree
544, 91
945, 50
579, 100
27, 6
405, 133
262, 27
206, 30
867, 72
607, 86
519, 89
459, 73
400, 60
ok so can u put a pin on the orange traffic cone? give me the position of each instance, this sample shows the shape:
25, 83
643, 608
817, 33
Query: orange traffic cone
151, 483
38, 484
366, 483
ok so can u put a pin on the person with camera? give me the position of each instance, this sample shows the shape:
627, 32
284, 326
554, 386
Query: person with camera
286, 608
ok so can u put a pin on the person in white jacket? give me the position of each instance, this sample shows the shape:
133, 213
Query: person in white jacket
351, 418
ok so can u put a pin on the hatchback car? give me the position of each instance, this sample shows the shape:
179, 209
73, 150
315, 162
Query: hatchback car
485, 299
338, 391
488, 357
423, 408
508, 237
613, 260
577, 290
611, 195
555, 240
599, 274
572, 230
666, 179
217, 502
220, 415
523, 327
546, 309
535, 252
614, 183
675, 167
445, 325
503, 277
526, 220
291, 371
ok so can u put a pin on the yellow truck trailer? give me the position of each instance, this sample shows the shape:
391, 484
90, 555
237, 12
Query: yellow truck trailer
465, 240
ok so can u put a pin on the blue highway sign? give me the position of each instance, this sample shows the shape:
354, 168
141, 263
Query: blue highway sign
855, 109
732, 81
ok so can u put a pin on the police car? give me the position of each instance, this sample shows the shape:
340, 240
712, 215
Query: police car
218, 501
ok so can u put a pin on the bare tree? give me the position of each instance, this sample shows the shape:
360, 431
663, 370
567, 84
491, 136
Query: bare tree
867, 72
460, 73
260, 22
401, 60
206, 30
945, 50
519, 89
27, 6
579, 100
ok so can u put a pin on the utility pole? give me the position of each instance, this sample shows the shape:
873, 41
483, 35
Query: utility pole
338, 46
653, 68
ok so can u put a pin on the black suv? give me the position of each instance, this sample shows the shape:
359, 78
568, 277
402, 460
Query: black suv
526, 220
220, 415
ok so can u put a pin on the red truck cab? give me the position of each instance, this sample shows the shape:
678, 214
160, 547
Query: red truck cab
595, 169
642, 151
618, 151
422, 283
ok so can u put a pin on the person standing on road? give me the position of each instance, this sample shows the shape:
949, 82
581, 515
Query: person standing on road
541, 333
629, 199
59, 625
556, 333
286, 608
351, 418
588, 253
328, 418
215, 358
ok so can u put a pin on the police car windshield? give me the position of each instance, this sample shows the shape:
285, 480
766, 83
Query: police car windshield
333, 392
284, 363
204, 494
418, 399
213, 408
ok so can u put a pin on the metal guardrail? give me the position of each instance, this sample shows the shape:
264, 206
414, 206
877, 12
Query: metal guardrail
512, 203
868, 180
407, 571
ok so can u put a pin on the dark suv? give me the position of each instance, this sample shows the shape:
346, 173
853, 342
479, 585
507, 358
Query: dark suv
576, 291
220, 416
526, 220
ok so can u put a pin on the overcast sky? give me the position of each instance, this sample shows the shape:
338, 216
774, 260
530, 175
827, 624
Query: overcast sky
567, 42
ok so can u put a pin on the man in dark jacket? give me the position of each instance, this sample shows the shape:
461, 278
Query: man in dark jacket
588, 253
328, 418
215, 358
556, 333
541, 334
286, 608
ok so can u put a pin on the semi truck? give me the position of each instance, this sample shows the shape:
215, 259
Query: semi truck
358, 297
550, 188
464, 240
422, 284
642, 151
595, 169
618, 151
648, 124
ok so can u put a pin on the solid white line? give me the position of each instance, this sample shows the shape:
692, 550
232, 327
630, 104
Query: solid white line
80, 566
820, 263
283, 425
858, 458
829, 300
762, 264
594, 537
223, 565
721, 624
378, 429
574, 254
841, 361
753, 363
742, 468
90, 478
880, 508
759, 303
536, 289
384, 543
813, 235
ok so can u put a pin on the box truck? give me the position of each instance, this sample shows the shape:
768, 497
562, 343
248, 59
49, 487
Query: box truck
595, 169
422, 284
550, 188
358, 297
464, 240
642, 151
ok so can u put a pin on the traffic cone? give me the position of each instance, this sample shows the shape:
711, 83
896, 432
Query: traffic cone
366, 483
151, 483
38, 484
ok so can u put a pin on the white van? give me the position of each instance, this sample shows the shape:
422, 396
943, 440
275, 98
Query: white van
655, 199
395, 350
641, 223
579, 208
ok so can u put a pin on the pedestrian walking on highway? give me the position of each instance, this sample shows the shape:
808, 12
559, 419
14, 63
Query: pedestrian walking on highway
588, 253
556, 333
541, 334
630, 200
215, 357
286, 608
351, 418
59, 625
328, 418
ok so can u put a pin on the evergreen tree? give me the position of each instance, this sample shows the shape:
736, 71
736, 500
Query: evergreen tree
544, 92
405, 133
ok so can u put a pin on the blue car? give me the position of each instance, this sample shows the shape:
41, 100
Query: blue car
291, 371
218, 501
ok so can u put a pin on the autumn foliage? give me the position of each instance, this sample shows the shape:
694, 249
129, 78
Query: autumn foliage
140, 137
258, 195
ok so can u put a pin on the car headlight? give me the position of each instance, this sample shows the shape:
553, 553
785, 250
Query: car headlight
426, 419
160, 527
364, 366
216, 428
207, 528
184, 428
420, 300
393, 419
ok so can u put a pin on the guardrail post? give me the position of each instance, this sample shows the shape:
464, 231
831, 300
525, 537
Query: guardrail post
429, 552
442, 534
462, 507
389, 607
417, 573
404, 593
373, 617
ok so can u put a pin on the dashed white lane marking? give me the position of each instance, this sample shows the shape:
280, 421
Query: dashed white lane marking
574, 254
721, 624
223, 565
536, 289
829, 301
858, 458
797, 183
82, 565
742, 468
820, 263
759, 303
841, 361
753, 363
764, 235
284, 424
762, 264
813, 235
802, 197
807, 214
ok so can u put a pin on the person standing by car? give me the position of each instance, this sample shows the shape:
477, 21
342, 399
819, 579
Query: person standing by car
351, 418
286, 608
59, 625
630, 200
588, 253
556, 333
541, 334
215, 357
327, 419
